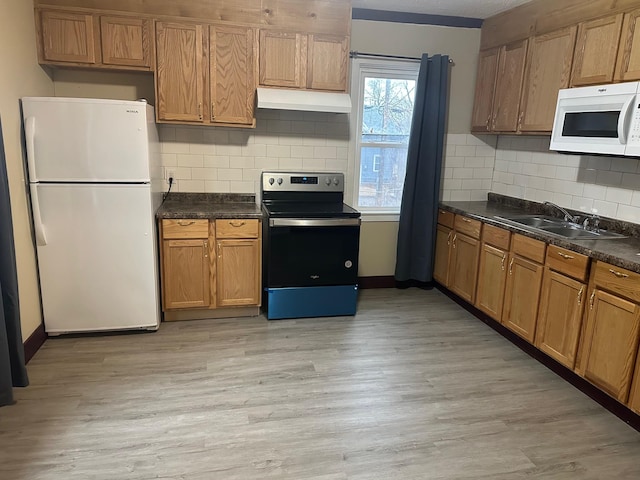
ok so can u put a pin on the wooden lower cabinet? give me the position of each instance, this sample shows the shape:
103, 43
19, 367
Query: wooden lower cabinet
443, 255
522, 296
610, 343
185, 273
463, 269
560, 317
492, 279
238, 272
634, 396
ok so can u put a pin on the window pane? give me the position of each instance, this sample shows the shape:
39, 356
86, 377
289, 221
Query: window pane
382, 173
387, 110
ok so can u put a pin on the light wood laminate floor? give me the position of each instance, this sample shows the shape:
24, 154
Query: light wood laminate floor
413, 387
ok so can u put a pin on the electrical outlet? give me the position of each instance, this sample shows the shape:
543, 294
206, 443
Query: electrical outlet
169, 174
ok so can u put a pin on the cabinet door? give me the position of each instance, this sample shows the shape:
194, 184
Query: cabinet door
522, 296
596, 49
506, 102
283, 59
492, 278
327, 62
485, 86
442, 255
628, 62
67, 37
180, 71
185, 273
634, 396
560, 317
464, 266
610, 343
125, 41
548, 70
238, 272
232, 76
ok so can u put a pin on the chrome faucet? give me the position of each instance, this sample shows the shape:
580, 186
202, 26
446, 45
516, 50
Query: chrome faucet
567, 216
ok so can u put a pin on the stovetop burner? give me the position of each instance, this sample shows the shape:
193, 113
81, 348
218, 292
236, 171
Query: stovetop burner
309, 210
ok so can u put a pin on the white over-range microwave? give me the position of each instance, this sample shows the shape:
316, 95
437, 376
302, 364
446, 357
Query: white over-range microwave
603, 119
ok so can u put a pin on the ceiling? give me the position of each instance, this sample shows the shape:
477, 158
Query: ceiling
454, 8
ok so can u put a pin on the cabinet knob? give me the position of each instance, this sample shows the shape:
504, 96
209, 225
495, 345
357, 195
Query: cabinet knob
504, 257
206, 249
511, 266
580, 295
449, 239
565, 256
237, 223
591, 299
184, 223
618, 274
213, 115
455, 237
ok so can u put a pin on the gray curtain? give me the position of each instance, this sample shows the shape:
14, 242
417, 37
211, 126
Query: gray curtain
13, 372
419, 208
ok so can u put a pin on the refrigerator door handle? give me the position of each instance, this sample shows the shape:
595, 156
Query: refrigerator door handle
41, 237
30, 137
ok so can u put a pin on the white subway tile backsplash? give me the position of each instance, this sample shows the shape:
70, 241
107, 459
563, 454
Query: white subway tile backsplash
460, 195
192, 185
629, 213
229, 149
290, 163
629, 165
241, 187
204, 173
618, 195
597, 192
609, 178
630, 181
607, 209
465, 151
230, 174
325, 152
185, 160
217, 186
219, 161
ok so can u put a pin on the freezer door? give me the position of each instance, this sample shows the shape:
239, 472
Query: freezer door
86, 140
98, 260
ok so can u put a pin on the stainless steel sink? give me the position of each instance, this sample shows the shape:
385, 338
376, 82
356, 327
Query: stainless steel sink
557, 226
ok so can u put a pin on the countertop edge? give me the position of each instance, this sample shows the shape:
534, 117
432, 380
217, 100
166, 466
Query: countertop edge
585, 247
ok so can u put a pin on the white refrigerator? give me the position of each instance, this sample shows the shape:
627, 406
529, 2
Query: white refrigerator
95, 183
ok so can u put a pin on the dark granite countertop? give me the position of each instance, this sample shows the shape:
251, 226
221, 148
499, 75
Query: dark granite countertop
209, 206
622, 252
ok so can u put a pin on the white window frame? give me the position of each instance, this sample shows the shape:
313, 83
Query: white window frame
360, 69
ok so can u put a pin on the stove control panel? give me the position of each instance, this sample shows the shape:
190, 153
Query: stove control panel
302, 182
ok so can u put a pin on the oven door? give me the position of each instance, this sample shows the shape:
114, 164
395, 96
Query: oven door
312, 252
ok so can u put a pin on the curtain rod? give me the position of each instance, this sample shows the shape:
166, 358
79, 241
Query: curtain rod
356, 54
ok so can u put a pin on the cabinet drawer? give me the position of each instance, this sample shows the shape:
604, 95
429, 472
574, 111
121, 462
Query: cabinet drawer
618, 280
498, 237
185, 228
445, 218
528, 248
238, 228
468, 226
565, 261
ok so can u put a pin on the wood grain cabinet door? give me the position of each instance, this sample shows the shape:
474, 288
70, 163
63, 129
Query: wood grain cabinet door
522, 295
560, 317
283, 59
485, 86
67, 37
596, 49
548, 70
179, 71
238, 272
634, 396
232, 74
492, 279
610, 343
327, 62
442, 255
506, 102
186, 273
463, 274
628, 62
125, 41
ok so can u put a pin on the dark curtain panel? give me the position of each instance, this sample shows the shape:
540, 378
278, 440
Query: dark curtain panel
419, 208
13, 372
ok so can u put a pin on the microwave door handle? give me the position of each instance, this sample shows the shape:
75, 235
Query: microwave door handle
622, 120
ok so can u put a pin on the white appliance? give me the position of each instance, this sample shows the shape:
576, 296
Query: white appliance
602, 119
95, 184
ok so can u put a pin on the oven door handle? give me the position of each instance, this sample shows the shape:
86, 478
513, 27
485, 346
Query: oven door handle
313, 222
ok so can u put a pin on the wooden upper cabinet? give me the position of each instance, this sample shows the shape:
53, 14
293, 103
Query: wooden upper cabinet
283, 59
596, 48
180, 72
67, 37
232, 74
522, 296
485, 85
610, 343
327, 62
628, 62
506, 102
548, 70
126, 41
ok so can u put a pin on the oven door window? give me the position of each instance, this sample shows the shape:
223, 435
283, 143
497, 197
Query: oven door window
312, 256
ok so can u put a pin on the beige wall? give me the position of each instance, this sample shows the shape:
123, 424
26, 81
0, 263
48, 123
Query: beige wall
21, 76
378, 243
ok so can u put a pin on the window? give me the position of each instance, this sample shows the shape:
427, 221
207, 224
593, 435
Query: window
383, 93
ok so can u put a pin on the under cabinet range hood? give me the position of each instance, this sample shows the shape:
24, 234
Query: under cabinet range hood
303, 100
